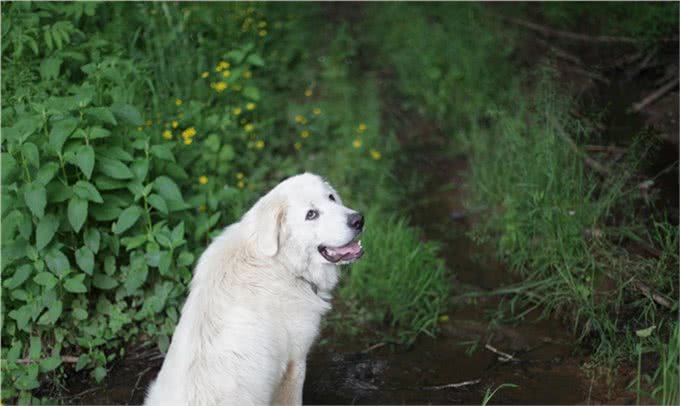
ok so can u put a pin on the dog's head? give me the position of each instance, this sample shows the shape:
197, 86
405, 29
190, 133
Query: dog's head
304, 216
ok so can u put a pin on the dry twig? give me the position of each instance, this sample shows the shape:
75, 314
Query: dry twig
453, 385
654, 96
68, 359
503, 356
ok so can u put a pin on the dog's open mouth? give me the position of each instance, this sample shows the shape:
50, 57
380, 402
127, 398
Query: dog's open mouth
345, 254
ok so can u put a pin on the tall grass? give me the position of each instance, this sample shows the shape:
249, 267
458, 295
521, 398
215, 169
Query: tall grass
402, 278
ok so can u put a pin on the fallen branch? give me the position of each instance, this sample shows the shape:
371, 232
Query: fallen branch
503, 356
656, 95
68, 359
373, 347
453, 385
591, 75
561, 53
568, 34
656, 297
604, 148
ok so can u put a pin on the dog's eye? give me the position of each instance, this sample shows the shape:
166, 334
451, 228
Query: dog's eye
312, 214
331, 197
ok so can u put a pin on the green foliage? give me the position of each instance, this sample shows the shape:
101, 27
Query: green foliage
130, 135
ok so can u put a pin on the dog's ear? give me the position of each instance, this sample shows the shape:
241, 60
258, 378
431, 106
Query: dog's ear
268, 219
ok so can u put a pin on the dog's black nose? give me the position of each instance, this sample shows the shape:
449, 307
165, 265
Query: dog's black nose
356, 221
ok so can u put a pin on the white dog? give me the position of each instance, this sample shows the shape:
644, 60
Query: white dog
257, 297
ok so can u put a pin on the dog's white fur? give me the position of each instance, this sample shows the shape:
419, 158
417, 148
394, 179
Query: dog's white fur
255, 303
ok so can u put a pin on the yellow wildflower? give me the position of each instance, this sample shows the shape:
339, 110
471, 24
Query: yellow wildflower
241, 184
259, 144
262, 33
297, 146
226, 73
236, 111
205, 74
376, 155
304, 134
189, 132
203, 179
247, 74
250, 106
316, 111
167, 134
148, 123
139, 128
188, 141
262, 24
240, 175
357, 143
443, 318
308, 92
300, 119
361, 128
178, 102
219, 86
249, 127
222, 65
175, 124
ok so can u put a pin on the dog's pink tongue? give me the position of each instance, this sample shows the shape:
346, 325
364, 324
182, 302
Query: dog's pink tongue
349, 249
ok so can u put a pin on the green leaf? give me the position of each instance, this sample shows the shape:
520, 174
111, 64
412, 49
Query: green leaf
49, 68
45, 279
61, 131
127, 219
163, 152
185, 259
20, 275
47, 227
106, 211
103, 114
15, 352
22, 315
30, 152
75, 284
127, 113
104, 282
35, 348
50, 363
79, 314
255, 59
52, 314
135, 278
645, 332
98, 132
92, 239
57, 262
46, 173
114, 168
85, 259
251, 93
99, 374
58, 192
157, 202
35, 197
167, 188
85, 159
86, 190
77, 212
140, 168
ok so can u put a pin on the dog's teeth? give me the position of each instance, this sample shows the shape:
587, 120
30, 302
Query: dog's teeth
360, 243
